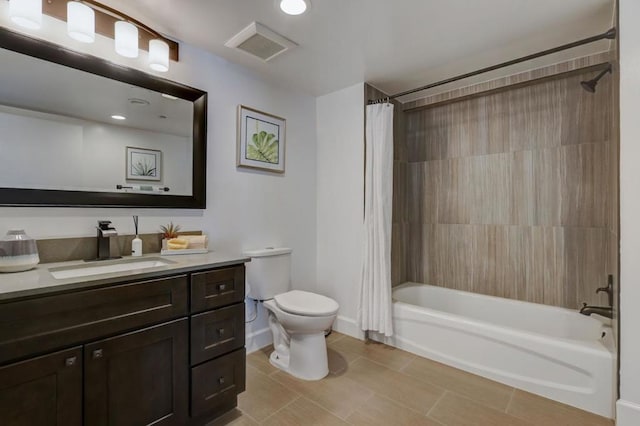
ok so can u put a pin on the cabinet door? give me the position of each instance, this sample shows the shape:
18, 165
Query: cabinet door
43, 391
139, 378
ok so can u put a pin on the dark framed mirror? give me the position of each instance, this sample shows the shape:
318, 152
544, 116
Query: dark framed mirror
80, 131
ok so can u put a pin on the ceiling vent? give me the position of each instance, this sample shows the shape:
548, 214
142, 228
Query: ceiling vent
259, 41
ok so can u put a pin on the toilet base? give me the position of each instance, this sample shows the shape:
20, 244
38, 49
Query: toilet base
279, 361
307, 358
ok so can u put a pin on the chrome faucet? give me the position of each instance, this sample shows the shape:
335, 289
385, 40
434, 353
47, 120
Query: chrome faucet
105, 232
605, 311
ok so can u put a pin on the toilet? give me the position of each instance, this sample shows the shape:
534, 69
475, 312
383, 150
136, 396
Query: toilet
297, 319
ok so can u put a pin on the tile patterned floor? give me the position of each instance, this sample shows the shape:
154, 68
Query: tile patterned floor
374, 384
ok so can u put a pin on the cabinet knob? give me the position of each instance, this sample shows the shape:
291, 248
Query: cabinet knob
70, 361
222, 287
221, 380
220, 331
97, 353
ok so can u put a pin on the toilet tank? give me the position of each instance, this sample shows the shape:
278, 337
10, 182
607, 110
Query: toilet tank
269, 272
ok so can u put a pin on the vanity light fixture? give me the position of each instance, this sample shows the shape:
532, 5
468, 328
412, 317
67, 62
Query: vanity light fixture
81, 22
126, 36
118, 117
26, 13
86, 17
293, 7
159, 55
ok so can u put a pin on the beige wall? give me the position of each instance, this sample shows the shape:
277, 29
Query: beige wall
514, 194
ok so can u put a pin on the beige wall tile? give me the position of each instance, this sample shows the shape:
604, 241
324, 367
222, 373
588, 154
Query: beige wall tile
497, 186
585, 265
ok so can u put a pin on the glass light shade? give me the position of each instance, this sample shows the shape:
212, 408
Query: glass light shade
159, 55
26, 13
81, 22
126, 39
293, 7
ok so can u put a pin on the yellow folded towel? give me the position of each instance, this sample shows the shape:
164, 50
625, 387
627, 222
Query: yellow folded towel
177, 244
196, 241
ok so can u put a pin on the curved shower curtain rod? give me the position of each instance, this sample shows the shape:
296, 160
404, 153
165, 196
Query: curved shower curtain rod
609, 35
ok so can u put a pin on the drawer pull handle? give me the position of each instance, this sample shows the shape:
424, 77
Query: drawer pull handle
69, 362
220, 331
221, 380
97, 353
222, 287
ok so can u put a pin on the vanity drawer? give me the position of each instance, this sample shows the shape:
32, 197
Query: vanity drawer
37, 325
216, 332
214, 289
216, 383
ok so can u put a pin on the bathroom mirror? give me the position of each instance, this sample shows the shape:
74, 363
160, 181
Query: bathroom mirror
76, 130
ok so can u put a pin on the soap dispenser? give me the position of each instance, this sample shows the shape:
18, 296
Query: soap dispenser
136, 244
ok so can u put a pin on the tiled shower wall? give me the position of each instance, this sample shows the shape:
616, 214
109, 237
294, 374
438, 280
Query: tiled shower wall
511, 194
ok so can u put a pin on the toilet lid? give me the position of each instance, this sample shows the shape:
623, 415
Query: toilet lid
305, 303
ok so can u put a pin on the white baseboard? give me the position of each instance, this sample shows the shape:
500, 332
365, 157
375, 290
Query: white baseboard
258, 340
348, 326
627, 413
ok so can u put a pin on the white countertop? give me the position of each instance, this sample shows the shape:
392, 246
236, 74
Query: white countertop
39, 281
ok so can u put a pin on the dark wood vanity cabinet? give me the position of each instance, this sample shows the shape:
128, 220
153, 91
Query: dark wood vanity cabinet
135, 353
139, 378
44, 391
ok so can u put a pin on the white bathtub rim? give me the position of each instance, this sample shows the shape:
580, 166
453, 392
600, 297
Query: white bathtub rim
596, 347
605, 321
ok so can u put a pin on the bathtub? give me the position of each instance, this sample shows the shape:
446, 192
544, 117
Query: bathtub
553, 352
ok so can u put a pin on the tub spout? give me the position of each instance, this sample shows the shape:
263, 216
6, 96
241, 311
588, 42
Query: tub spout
605, 311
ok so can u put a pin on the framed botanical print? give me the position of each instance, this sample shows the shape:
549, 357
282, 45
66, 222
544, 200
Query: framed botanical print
261, 140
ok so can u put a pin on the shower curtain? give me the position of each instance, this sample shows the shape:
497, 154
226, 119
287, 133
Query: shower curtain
374, 307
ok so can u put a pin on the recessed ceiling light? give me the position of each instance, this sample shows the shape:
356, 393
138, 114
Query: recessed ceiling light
118, 117
293, 7
173, 98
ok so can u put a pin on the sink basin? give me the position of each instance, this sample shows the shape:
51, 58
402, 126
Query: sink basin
131, 266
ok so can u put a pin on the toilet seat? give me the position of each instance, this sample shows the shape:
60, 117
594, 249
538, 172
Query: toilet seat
299, 302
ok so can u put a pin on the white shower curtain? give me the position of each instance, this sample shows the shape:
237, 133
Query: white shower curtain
374, 308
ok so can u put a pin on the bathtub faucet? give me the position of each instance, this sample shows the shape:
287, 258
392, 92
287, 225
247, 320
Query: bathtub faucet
605, 311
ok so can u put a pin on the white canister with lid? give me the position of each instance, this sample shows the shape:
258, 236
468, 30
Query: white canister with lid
18, 252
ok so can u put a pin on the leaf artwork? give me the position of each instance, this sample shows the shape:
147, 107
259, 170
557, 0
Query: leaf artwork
143, 169
263, 147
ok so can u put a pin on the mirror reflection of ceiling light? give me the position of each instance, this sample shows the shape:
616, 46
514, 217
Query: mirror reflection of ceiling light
293, 7
26, 13
81, 22
118, 117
